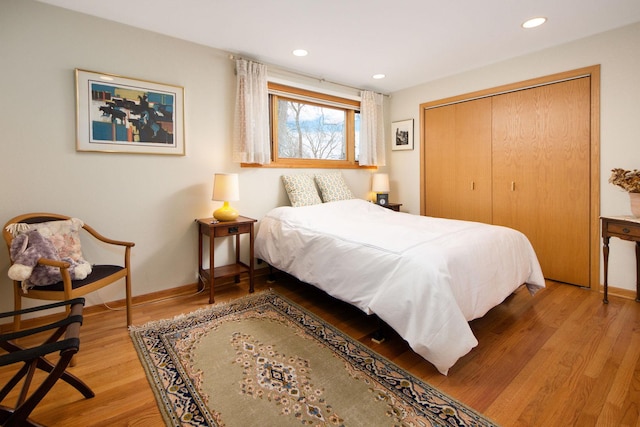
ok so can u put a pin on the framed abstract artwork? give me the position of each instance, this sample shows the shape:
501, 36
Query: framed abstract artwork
402, 135
116, 114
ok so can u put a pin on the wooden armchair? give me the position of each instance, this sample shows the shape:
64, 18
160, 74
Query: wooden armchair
100, 276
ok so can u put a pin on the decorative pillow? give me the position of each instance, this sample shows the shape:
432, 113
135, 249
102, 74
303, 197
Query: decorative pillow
26, 250
65, 236
332, 187
301, 190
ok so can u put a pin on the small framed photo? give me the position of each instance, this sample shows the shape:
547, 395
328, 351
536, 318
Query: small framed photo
402, 135
382, 199
116, 114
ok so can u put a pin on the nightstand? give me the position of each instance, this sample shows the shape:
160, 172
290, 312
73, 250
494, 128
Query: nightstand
213, 229
393, 206
626, 228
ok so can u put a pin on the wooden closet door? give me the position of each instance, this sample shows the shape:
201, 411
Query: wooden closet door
541, 173
473, 160
439, 143
458, 161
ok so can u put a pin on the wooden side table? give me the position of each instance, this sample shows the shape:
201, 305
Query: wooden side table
393, 206
626, 228
210, 227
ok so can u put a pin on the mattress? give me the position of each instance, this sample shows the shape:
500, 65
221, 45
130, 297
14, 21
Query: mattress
425, 277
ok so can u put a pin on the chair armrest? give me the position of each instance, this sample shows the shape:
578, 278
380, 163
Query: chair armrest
99, 236
64, 272
54, 263
117, 242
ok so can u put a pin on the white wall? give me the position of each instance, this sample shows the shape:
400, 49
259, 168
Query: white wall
153, 200
149, 199
617, 52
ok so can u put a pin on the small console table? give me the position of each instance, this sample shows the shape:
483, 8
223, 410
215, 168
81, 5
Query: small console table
626, 228
210, 227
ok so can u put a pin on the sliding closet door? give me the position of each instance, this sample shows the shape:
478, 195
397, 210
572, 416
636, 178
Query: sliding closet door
440, 163
458, 160
473, 167
541, 173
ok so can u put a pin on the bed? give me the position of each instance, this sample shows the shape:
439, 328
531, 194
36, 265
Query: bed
425, 277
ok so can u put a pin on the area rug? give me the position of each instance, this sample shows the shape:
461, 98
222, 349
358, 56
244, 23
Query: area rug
263, 360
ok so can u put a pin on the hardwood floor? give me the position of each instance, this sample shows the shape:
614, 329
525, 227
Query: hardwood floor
560, 358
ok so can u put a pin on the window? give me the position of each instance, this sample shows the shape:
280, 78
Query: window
310, 129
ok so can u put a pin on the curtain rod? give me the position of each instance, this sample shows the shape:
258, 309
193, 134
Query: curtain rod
299, 74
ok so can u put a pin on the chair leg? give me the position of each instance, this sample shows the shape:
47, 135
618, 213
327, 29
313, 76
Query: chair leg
17, 305
14, 381
128, 301
19, 416
44, 364
67, 377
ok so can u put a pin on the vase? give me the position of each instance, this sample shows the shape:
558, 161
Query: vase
635, 204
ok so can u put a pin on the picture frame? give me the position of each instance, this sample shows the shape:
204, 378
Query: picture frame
116, 114
402, 135
382, 199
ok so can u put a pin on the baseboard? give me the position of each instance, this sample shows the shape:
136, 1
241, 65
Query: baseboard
164, 294
619, 292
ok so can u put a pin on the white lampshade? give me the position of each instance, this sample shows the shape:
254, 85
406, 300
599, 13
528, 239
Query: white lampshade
226, 187
380, 183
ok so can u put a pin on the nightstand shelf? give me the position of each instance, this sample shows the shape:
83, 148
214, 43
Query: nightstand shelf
214, 229
225, 271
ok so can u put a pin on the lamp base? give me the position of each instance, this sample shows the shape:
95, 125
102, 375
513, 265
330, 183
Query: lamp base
225, 213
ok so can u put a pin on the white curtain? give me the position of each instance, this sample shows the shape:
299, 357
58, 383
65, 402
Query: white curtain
372, 145
251, 142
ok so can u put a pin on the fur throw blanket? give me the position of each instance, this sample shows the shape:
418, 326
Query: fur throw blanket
27, 249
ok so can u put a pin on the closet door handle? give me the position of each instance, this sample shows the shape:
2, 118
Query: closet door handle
513, 186
473, 185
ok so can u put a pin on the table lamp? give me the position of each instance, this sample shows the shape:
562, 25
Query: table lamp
380, 186
226, 189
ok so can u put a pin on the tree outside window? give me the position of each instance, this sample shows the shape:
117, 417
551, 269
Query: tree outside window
311, 129
307, 131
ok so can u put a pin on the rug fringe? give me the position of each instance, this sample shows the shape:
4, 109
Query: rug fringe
197, 312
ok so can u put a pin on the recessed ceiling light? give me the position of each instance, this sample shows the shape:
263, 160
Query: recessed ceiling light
379, 76
534, 22
300, 52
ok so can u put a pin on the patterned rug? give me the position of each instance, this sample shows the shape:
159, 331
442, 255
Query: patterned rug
262, 360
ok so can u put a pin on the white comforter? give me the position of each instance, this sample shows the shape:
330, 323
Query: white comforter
425, 277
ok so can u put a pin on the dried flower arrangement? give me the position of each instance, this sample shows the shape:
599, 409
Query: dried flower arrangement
627, 180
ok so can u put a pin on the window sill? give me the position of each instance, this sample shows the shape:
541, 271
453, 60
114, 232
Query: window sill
311, 164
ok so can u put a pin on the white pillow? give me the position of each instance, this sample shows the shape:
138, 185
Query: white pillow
301, 190
332, 187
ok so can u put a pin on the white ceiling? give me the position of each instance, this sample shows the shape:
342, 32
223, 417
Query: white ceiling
411, 41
